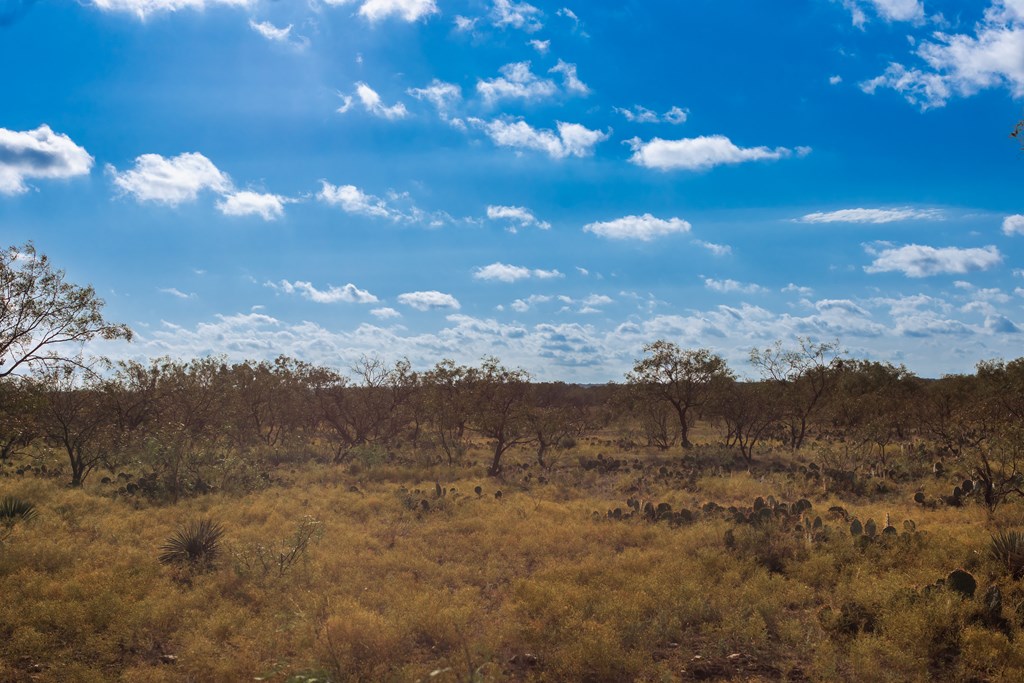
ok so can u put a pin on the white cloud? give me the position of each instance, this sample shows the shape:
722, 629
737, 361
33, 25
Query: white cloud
464, 24
915, 260
143, 8
523, 305
38, 153
332, 295
442, 95
1013, 225
731, 286
715, 249
346, 103
572, 139
889, 10
516, 214
639, 114
570, 15
516, 82
644, 228
376, 10
246, 203
520, 15
271, 32
675, 116
597, 300
875, 216
385, 313
696, 154
797, 289
372, 103
503, 272
899, 10
351, 199
171, 180
835, 80
929, 334
541, 46
177, 293
570, 79
963, 64
279, 35
427, 301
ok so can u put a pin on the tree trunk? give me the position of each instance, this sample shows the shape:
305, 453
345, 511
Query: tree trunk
499, 449
684, 429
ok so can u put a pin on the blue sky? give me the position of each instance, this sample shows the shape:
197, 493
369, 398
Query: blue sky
553, 184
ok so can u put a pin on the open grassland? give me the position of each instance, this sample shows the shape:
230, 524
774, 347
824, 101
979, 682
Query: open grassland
362, 571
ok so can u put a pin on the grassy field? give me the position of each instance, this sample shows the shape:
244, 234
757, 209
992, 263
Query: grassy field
389, 581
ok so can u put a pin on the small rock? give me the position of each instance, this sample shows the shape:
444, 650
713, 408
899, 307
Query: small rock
168, 659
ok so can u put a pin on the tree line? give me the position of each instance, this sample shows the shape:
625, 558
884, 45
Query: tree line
192, 425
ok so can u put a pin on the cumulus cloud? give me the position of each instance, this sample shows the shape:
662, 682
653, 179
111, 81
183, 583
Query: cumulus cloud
332, 295
444, 96
541, 46
503, 272
732, 286
428, 301
38, 154
639, 114
875, 216
920, 327
385, 313
572, 139
643, 228
143, 8
1013, 225
570, 80
517, 81
351, 199
171, 180
700, 153
373, 104
962, 64
797, 289
915, 260
376, 10
269, 207
518, 15
519, 215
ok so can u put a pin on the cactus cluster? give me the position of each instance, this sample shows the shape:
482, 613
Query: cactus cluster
605, 465
418, 500
957, 497
867, 532
650, 511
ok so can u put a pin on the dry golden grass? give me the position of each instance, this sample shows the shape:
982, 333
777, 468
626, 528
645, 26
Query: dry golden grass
531, 586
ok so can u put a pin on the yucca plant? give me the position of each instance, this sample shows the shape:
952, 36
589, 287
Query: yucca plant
196, 544
16, 510
12, 511
1007, 547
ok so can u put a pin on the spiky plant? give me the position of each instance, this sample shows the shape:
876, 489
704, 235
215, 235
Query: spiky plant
196, 544
14, 510
1007, 548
